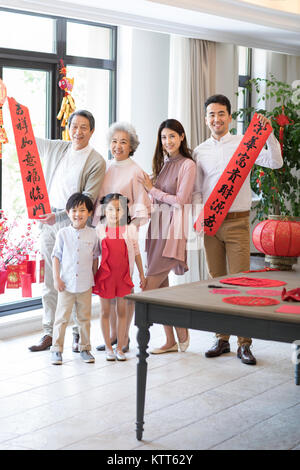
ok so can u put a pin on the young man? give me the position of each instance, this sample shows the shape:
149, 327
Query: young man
231, 244
69, 167
75, 262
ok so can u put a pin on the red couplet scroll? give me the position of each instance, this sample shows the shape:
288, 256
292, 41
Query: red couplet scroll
34, 184
233, 177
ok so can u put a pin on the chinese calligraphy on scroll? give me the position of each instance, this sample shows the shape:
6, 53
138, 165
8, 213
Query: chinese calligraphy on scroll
34, 184
233, 177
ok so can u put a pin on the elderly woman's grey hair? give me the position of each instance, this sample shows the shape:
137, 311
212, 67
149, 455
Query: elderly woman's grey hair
123, 126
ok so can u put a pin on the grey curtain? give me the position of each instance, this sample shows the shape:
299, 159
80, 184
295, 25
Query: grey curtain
203, 85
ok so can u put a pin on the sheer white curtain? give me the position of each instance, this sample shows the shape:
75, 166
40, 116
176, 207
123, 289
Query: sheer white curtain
180, 83
191, 80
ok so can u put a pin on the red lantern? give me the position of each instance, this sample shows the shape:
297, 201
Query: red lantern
278, 238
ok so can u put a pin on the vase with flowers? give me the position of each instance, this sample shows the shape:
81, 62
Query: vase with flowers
18, 243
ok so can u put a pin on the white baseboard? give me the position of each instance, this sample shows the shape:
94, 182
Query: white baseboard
30, 322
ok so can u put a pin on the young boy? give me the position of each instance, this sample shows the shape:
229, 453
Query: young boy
75, 261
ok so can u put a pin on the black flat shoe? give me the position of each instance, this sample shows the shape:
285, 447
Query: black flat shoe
102, 346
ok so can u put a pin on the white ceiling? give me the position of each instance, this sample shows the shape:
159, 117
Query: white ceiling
231, 21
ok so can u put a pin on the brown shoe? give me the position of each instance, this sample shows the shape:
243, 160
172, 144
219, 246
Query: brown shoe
245, 355
75, 344
45, 343
220, 347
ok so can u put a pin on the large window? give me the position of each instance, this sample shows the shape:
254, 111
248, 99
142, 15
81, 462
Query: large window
29, 67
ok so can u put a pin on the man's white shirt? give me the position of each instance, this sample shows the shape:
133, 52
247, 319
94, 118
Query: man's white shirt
212, 157
65, 179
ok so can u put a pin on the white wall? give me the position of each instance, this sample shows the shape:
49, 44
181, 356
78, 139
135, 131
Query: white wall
284, 67
143, 84
142, 89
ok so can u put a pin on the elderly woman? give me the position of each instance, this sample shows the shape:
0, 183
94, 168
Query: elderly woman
122, 176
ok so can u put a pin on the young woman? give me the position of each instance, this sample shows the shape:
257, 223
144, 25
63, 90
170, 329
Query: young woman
170, 188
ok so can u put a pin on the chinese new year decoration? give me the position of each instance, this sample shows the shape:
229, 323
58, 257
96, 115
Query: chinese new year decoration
35, 190
279, 240
67, 104
18, 262
233, 177
282, 121
3, 136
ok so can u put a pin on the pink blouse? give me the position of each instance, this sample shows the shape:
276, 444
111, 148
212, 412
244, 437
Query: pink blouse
122, 177
175, 246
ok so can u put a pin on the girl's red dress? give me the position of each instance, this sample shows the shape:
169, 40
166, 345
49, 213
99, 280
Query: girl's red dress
113, 278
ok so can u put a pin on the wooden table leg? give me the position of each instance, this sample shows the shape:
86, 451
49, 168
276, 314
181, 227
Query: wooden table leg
143, 337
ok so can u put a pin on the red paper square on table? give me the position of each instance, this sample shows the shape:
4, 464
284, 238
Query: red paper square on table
252, 282
251, 301
288, 309
264, 292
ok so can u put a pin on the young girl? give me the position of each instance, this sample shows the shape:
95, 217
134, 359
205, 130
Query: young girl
120, 250
171, 189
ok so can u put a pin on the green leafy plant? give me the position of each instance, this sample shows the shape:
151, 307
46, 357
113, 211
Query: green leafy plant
278, 190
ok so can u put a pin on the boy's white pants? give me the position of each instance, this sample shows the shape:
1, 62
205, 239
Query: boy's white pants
65, 302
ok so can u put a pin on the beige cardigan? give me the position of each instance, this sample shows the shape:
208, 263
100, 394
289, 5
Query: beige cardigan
92, 174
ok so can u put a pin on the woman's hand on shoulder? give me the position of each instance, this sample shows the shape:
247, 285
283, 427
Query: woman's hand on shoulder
146, 181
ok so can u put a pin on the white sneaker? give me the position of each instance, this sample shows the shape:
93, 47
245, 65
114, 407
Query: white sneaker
87, 356
56, 358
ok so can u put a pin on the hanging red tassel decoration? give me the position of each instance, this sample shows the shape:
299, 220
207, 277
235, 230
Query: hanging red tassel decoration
282, 120
68, 103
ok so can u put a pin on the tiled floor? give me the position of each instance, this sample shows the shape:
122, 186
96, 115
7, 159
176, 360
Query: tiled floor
191, 402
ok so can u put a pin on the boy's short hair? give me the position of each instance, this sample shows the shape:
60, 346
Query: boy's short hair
79, 198
220, 99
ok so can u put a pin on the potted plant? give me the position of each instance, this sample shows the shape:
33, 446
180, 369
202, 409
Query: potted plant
278, 191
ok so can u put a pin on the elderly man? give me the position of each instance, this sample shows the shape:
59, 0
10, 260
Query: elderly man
69, 167
229, 249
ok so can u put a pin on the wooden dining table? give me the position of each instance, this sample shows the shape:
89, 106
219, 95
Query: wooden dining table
194, 306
